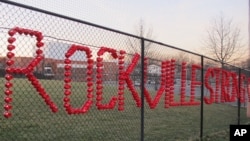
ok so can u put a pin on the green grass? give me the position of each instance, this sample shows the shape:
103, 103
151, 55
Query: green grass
33, 120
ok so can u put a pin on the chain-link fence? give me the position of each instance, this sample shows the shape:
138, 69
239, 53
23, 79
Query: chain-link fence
66, 79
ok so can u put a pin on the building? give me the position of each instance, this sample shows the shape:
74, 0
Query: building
154, 70
54, 68
57, 50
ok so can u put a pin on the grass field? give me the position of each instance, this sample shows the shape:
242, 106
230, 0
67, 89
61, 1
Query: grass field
33, 120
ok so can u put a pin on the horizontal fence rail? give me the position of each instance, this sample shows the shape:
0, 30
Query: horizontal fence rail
67, 79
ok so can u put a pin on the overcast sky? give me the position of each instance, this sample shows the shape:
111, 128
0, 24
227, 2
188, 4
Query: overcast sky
180, 23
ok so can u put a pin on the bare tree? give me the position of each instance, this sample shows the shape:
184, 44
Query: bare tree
181, 57
135, 47
223, 40
135, 44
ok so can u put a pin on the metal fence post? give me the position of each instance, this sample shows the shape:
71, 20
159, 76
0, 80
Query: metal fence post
239, 104
142, 88
202, 97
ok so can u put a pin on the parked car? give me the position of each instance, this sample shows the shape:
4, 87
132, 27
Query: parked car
177, 81
137, 82
151, 82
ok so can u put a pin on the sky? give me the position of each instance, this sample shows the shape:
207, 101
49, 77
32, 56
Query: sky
181, 23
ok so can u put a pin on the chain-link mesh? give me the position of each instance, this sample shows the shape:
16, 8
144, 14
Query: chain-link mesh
96, 87
31, 118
